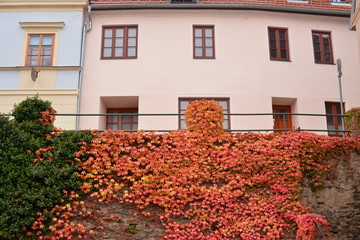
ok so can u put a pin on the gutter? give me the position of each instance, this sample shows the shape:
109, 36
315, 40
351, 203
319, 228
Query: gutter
313, 11
86, 28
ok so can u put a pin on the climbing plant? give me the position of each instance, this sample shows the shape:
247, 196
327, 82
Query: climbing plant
204, 183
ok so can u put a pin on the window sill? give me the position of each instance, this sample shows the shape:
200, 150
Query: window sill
119, 58
323, 63
280, 60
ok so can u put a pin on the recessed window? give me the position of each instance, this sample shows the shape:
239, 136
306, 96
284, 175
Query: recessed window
278, 44
333, 122
123, 122
40, 50
119, 42
322, 47
281, 119
204, 45
223, 102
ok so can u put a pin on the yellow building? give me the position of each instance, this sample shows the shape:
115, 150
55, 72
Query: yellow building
355, 19
41, 53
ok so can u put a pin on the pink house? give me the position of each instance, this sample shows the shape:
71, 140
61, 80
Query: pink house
274, 56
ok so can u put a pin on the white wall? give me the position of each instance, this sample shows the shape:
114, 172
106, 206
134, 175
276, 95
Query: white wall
165, 69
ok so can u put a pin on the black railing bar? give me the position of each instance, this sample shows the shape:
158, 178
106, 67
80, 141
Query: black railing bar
287, 129
242, 130
181, 114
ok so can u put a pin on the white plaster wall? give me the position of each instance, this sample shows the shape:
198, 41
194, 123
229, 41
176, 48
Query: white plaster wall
165, 69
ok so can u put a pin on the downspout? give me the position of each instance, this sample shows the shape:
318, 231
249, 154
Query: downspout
353, 6
86, 28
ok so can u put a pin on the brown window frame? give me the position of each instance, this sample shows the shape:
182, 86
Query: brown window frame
279, 118
40, 46
121, 123
203, 40
278, 48
113, 40
191, 99
336, 120
322, 47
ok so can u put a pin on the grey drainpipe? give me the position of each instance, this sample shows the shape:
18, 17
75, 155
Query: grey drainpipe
353, 6
226, 6
86, 28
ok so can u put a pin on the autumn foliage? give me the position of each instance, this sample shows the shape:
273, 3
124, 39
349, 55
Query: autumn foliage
205, 117
201, 183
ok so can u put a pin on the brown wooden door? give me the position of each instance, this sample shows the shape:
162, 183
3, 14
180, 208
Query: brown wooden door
279, 119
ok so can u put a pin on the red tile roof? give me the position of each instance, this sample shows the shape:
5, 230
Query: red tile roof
310, 4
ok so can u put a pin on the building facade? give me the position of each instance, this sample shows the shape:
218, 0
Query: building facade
274, 56
41, 54
355, 18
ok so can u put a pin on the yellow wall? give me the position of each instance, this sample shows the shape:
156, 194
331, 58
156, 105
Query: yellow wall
63, 101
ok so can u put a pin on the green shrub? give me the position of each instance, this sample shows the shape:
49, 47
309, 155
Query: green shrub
352, 122
28, 186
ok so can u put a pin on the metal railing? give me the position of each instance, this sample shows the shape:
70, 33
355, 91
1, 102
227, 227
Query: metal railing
284, 117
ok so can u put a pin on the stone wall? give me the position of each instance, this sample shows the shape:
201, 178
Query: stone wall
339, 200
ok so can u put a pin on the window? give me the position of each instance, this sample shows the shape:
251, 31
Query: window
123, 122
333, 122
278, 44
40, 50
204, 46
282, 121
119, 42
184, 102
322, 47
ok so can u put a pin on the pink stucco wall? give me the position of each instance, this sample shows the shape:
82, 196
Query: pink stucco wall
165, 69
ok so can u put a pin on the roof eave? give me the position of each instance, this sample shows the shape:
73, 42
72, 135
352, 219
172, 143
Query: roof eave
315, 11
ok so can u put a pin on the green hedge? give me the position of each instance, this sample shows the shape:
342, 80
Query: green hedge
28, 186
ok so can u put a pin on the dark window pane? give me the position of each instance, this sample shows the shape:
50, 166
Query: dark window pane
273, 53
327, 57
272, 44
318, 56
325, 38
316, 37
272, 34
283, 54
112, 127
282, 44
282, 35
317, 47
326, 48
126, 127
